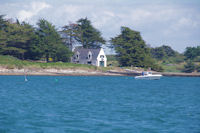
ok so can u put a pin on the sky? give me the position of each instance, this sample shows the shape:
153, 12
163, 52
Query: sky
175, 23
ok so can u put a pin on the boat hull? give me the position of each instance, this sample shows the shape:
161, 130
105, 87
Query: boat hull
149, 77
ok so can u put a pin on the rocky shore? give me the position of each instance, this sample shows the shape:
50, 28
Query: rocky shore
82, 72
56, 72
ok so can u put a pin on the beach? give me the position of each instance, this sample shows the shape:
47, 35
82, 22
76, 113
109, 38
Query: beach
85, 72
56, 72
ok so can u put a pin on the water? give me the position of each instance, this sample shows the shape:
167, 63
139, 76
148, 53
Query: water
84, 104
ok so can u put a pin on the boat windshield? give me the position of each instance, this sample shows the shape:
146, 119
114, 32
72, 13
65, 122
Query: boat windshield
146, 73
142, 73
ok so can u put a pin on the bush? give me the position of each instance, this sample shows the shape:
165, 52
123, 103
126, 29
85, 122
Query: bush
157, 68
189, 67
198, 68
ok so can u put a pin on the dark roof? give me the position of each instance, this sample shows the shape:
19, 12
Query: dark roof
84, 52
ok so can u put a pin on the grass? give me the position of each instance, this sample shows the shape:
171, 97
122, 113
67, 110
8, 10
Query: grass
12, 62
112, 61
173, 67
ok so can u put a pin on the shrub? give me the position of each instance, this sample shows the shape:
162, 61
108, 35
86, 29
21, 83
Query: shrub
189, 67
198, 68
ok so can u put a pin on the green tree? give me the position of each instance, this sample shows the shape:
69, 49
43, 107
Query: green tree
70, 34
158, 53
198, 68
3, 33
15, 38
192, 52
89, 36
33, 49
189, 67
131, 49
50, 41
162, 52
63, 54
48, 38
3, 22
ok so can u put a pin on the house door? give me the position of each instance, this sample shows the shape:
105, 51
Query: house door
102, 63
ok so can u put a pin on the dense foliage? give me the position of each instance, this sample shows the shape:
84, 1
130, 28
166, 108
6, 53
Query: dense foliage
189, 67
70, 34
51, 43
192, 53
131, 50
23, 41
89, 36
162, 52
15, 38
83, 33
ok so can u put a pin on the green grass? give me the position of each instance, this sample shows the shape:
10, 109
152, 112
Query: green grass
111, 57
112, 61
12, 62
172, 68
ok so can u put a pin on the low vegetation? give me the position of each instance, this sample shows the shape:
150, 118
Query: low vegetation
12, 62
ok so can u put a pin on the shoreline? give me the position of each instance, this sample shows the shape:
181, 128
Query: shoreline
55, 72
82, 72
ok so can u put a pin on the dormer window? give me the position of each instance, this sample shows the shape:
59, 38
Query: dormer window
101, 56
89, 55
77, 55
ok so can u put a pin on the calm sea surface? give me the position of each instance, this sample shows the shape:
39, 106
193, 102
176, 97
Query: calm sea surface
84, 104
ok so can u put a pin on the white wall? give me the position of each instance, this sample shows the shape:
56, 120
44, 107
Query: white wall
104, 59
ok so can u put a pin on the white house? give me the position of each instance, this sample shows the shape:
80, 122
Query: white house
94, 57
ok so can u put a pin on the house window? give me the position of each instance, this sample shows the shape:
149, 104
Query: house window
101, 56
89, 55
77, 55
89, 62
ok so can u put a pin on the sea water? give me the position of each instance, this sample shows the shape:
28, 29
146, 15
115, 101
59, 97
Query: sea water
99, 104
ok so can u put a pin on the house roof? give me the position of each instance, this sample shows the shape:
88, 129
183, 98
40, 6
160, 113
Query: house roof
84, 52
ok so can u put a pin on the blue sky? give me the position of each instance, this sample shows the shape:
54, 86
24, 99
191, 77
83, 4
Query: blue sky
161, 22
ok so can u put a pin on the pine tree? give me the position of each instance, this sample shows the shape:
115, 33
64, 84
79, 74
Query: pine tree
89, 36
131, 49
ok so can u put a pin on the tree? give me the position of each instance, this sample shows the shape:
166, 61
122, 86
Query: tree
15, 38
50, 41
3, 33
192, 52
89, 36
158, 53
189, 67
24, 41
3, 22
48, 38
33, 49
162, 52
70, 34
63, 54
131, 49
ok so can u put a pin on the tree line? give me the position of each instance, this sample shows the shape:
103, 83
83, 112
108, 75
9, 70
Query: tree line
45, 41
25, 41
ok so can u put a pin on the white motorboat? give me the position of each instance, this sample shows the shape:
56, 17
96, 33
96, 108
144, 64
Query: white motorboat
148, 75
